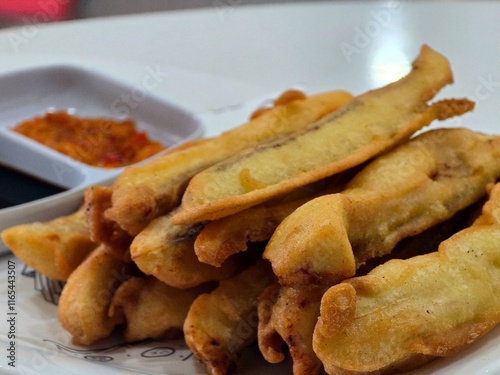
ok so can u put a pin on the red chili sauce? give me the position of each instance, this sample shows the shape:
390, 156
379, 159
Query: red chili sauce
100, 142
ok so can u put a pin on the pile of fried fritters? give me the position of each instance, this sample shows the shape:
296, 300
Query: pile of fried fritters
323, 228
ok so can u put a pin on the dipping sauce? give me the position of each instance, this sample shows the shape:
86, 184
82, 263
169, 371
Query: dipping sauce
100, 142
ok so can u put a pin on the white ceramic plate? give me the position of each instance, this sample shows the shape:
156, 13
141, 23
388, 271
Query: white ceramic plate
25, 94
43, 347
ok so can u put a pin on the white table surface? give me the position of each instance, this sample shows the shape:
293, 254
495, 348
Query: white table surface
222, 61
224, 55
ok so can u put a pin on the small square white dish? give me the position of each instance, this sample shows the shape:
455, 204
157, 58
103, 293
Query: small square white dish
25, 94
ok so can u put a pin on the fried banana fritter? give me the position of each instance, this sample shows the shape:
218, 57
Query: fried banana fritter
54, 248
361, 129
402, 193
142, 193
404, 313
220, 325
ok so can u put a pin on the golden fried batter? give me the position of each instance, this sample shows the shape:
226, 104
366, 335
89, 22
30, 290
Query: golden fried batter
222, 238
288, 315
145, 192
151, 308
363, 128
402, 193
406, 312
54, 248
166, 251
87, 295
220, 325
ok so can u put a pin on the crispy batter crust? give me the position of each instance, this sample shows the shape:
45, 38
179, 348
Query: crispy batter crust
143, 193
406, 312
402, 193
221, 324
363, 128
54, 248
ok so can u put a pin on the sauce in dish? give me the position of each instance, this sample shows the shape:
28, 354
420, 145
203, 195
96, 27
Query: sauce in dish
99, 142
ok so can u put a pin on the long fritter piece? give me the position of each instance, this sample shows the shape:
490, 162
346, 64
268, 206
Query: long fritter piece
288, 314
222, 238
363, 128
87, 295
151, 308
220, 325
54, 248
219, 239
402, 193
145, 192
406, 312
97, 199
166, 251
